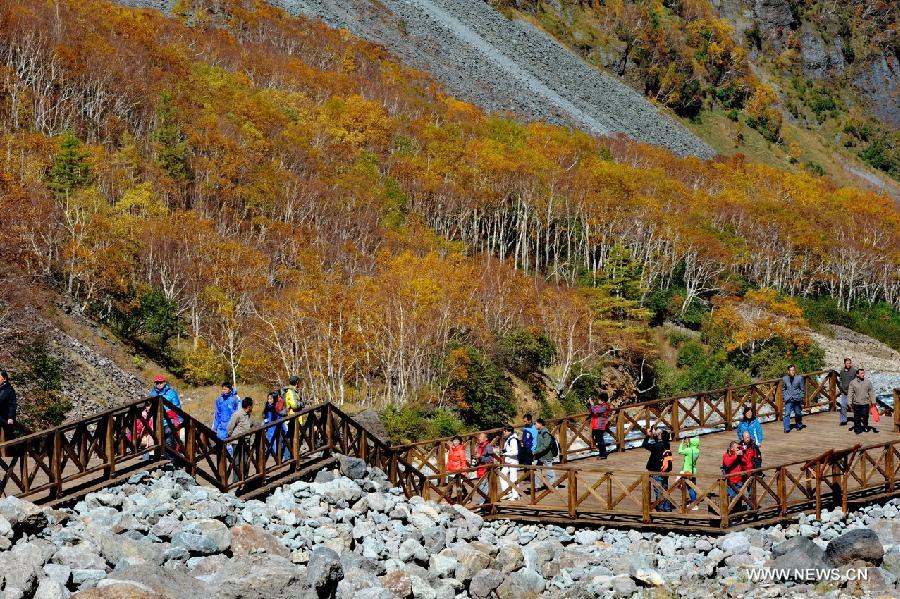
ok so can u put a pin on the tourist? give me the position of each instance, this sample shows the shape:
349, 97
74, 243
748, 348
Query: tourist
457, 461
239, 424
751, 459
510, 450
793, 392
8, 405
271, 414
227, 403
599, 422
484, 457
732, 466
750, 424
691, 453
529, 441
162, 389
293, 400
545, 450
845, 377
861, 396
656, 441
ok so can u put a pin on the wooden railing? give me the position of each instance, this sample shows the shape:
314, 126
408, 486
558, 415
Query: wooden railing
704, 501
707, 411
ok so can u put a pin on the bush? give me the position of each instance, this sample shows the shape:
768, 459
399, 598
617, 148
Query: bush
43, 403
879, 320
478, 388
525, 352
773, 360
411, 423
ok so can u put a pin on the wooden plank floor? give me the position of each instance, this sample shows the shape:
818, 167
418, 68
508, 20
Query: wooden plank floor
821, 434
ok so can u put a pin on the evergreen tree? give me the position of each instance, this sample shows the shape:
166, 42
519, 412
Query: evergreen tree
70, 168
172, 149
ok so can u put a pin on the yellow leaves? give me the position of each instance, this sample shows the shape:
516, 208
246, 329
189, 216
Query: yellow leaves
141, 202
758, 317
356, 121
460, 110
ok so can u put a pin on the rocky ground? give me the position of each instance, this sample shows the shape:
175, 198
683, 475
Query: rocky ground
350, 535
874, 355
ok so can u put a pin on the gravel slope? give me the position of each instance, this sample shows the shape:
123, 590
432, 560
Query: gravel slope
482, 57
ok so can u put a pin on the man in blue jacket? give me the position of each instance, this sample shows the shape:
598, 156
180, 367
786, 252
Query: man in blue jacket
529, 441
226, 405
793, 392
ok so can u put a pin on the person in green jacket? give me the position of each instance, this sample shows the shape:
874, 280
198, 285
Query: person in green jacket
691, 453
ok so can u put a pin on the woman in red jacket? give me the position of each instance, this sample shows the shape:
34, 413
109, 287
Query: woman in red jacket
732, 466
456, 462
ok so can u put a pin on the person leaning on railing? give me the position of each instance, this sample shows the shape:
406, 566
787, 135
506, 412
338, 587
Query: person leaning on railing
457, 461
691, 453
240, 423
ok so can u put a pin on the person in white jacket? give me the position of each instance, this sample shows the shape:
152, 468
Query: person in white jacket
510, 448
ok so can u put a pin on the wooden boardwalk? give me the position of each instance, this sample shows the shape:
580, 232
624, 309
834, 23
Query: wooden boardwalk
821, 466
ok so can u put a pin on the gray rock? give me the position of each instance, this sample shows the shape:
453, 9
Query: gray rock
352, 468
247, 539
412, 550
324, 570
734, 543
484, 583
50, 589
509, 558
87, 578
797, 553
443, 564
203, 537
58, 573
891, 563
642, 572
174, 582
859, 544
524, 584
79, 558
23, 517
261, 576
888, 530
117, 549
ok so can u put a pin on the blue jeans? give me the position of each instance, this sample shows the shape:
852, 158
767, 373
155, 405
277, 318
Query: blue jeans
692, 494
665, 505
797, 408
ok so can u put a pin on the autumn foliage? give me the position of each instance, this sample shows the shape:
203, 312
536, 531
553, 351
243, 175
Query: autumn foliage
302, 203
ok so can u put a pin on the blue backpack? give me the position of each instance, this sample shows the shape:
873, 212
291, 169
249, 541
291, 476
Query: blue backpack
527, 439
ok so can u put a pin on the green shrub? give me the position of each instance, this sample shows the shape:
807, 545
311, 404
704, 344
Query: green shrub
525, 352
478, 387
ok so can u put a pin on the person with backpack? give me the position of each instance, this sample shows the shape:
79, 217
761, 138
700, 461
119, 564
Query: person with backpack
271, 413
793, 393
546, 451
227, 404
528, 441
599, 422
750, 424
162, 389
509, 452
691, 453
656, 441
293, 401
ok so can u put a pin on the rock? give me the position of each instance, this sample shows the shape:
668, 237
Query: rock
484, 583
86, 578
444, 564
339, 489
79, 558
412, 550
23, 517
50, 589
352, 468
643, 573
58, 573
509, 558
888, 530
259, 576
173, 582
398, 583
797, 553
524, 584
703, 545
203, 537
117, 549
247, 539
118, 590
324, 570
891, 563
471, 561
21, 565
859, 544
735, 543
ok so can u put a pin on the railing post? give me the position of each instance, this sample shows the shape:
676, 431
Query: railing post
676, 425
889, 466
493, 487
160, 426
832, 391
190, 446
329, 428
573, 492
295, 443
261, 453
779, 400
897, 410
563, 436
620, 429
729, 409
56, 463
645, 497
363, 445
724, 503
782, 491
222, 456
109, 448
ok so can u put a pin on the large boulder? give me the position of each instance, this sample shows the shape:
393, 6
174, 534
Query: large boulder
509, 558
174, 582
485, 582
524, 584
118, 590
798, 553
203, 536
79, 557
887, 529
735, 543
247, 539
21, 566
119, 549
859, 544
24, 517
471, 562
352, 468
324, 570
258, 577
398, 583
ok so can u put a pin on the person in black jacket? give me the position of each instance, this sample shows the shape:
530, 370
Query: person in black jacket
656, 442
8, 404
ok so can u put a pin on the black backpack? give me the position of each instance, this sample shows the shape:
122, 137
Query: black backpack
554, 446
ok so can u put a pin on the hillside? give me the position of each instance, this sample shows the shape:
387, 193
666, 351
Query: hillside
800, 85
239, 194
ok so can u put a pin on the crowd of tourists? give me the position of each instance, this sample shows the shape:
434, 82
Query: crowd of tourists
741, 461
